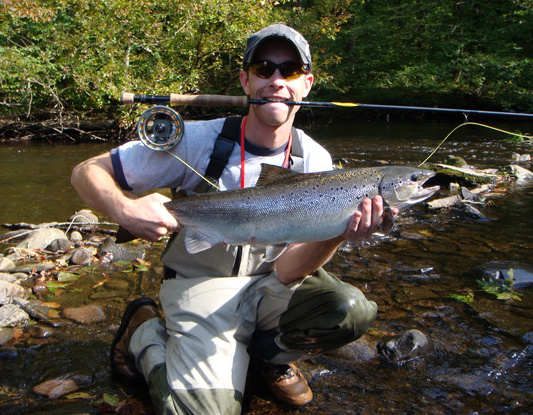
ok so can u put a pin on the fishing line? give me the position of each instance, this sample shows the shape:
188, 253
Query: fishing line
195, 171
471, 123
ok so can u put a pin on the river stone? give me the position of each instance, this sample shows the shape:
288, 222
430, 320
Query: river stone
520, 274
55, 388
12, 315
113, 252
6, 265
60, 244
85, 314
6, 334
407, 346
81, 256
41, 238
38, 331
76, 236
8, 291
84, 216
7, 277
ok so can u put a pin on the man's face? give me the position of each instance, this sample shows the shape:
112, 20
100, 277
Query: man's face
275, 88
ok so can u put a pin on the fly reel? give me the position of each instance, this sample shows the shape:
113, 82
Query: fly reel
160, 128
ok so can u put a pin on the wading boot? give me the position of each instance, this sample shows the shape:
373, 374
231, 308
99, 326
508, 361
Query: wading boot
286, 383
137, 312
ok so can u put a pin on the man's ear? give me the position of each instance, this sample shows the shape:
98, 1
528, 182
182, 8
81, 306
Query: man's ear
308, 83
243, 77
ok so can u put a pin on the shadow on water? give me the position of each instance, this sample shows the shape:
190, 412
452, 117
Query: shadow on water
481, 353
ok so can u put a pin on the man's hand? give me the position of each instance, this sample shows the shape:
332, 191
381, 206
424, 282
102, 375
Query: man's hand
147, 217
367, 220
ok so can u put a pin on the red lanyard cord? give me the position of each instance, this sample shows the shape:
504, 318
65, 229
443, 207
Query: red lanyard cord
287, 151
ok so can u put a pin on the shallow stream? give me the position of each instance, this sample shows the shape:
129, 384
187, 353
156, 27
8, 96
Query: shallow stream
481, 353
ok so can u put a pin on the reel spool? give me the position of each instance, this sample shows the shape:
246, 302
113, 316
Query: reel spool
160, 128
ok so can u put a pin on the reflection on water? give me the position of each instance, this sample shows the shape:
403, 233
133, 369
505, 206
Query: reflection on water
481, 360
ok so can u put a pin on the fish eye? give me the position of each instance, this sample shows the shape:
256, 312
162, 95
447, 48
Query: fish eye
414, 177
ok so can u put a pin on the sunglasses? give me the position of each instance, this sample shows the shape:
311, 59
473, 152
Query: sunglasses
289, 70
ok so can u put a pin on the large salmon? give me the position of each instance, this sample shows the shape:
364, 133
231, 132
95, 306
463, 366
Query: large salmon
286, 207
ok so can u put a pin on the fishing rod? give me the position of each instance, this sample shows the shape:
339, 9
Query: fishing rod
244, 101
161, 127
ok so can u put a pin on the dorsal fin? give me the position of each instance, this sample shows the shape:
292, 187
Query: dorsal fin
271, 174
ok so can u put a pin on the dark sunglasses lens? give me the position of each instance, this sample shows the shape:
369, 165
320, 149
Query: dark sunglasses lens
264, 69
291, 70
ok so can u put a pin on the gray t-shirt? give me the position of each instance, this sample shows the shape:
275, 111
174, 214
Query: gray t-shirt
138, 168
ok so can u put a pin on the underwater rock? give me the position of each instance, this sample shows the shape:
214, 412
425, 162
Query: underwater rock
81, 256
407, 346
109, 251
517, 274
55, 388
85, 314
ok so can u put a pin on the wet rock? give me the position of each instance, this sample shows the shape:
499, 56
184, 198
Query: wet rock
110, 251
34, 308
520, 172
75, 237
6, 265
6, 334
407, 346
7, 277
31, 267
12, 315
58, 245
9, 291
55, 388
8, 352
517, 274
38, 331
360, 350
65, 276
84, 216
117, 284
85, 314
81, 256
41, 238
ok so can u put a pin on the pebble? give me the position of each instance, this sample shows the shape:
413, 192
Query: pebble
39, 331
76, 236
85, 314
59, 244
41, 238
407, 346
81, 256
6, 334
6, 265
12, 315
7, 277
9, 291
54, 388
84, 216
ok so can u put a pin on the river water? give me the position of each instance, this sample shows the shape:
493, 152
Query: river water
480, 355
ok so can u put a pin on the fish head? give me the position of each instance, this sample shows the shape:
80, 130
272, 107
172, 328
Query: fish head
402, 186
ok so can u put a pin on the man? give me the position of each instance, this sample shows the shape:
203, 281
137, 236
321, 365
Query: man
226, 305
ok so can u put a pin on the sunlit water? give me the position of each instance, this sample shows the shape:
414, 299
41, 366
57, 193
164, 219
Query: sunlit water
481, 356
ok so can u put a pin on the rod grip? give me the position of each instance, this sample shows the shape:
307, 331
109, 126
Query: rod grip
209, 100
128, 98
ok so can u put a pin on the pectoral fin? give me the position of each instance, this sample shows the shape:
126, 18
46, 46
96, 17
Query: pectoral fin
197, 242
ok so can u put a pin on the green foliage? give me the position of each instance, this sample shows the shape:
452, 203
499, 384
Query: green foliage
77, 56
502, 288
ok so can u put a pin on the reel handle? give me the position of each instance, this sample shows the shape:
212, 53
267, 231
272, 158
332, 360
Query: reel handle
177, 99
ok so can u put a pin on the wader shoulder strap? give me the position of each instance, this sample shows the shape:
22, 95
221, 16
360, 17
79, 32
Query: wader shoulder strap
297, 153
223, 147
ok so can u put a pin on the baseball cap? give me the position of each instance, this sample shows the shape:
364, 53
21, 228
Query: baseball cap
277, 31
